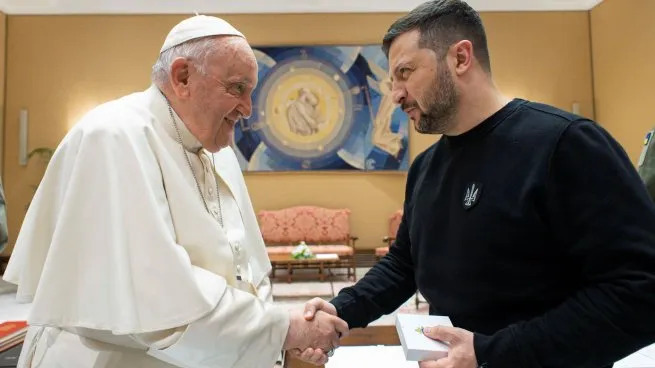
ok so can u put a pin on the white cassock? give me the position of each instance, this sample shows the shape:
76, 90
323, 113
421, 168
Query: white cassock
124, 265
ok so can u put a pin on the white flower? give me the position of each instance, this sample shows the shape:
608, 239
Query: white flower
302, 251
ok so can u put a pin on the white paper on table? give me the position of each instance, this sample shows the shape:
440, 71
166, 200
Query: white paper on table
649, 351
644, 358
636, 360
327, 256
378, 356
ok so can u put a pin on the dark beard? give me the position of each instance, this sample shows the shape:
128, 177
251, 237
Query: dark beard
442, 105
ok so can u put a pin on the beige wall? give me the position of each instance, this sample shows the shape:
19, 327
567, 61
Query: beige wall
623, 40
3, 49
60, 66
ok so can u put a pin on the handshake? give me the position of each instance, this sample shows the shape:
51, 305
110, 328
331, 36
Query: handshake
315, 332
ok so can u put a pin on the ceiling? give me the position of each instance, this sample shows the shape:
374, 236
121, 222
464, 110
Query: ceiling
266, 6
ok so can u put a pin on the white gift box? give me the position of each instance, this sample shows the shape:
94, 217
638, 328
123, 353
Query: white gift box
416, 345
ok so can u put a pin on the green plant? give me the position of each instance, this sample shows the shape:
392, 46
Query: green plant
302, 251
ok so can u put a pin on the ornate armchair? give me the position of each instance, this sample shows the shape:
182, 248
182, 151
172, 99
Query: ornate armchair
394, 223
324, 231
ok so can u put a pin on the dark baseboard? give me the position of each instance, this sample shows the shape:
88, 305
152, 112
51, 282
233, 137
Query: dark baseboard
3, 264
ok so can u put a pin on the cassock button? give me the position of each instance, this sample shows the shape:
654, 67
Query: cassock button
211, 191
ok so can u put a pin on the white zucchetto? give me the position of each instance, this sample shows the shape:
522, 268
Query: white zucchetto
196, 27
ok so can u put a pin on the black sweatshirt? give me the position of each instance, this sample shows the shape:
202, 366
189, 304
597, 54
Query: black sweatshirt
534, 231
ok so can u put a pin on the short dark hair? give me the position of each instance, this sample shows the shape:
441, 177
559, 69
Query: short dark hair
442, 23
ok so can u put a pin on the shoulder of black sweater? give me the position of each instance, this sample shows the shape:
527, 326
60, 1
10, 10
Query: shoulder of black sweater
552, 110
418, 166
421, 159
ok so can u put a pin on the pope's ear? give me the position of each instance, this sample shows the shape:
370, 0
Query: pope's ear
179, 77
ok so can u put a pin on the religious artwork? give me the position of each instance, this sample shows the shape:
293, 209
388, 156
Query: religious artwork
323, 108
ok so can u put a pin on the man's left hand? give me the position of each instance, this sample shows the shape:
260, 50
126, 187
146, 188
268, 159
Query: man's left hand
461, 353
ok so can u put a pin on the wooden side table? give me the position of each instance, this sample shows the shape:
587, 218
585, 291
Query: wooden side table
288, 263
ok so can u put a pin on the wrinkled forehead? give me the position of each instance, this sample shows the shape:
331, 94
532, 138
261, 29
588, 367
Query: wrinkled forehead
235, 59
244, 65
404, 46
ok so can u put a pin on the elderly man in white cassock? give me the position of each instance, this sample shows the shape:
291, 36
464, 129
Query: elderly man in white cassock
141, 248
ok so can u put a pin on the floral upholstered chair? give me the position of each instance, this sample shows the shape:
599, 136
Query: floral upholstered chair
324, 230
394, 223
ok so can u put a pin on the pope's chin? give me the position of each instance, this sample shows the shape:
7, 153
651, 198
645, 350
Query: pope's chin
223, 137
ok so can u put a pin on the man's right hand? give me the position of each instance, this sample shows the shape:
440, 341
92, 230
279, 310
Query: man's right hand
322, 332
318, 304
310, 355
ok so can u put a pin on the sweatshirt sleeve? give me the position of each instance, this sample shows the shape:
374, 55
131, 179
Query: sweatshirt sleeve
384, 287
391, 281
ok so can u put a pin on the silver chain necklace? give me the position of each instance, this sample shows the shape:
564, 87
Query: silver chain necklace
179, 140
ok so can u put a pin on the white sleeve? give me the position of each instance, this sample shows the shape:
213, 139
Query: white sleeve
265, 291
265, 294
242, 331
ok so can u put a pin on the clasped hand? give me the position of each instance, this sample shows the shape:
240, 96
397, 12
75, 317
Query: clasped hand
315, 332
311, 338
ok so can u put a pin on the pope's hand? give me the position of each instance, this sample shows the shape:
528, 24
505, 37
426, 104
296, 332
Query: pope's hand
322, 332
461, 353
310, 355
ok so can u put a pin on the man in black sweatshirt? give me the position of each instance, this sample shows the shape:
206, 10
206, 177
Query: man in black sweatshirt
528, 226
